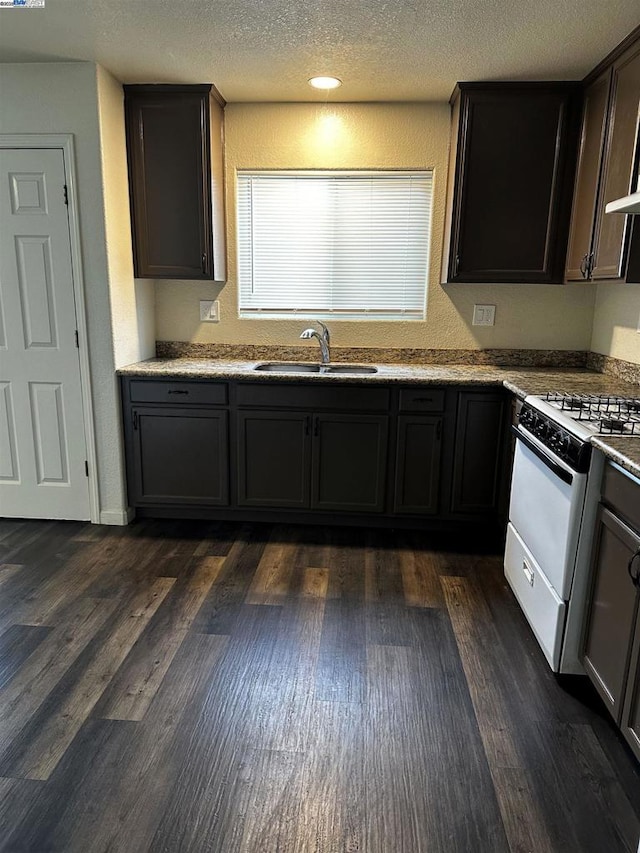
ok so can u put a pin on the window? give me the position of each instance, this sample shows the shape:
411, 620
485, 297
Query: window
353, 245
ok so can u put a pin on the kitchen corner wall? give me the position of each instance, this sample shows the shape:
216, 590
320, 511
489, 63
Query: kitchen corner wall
385, 136
81, 99
616, 321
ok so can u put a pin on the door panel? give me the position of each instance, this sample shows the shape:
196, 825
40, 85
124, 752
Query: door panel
418, 464
594, 125
618, 171
612, 611
42, 441
35, 270
8, 456
181, 456
273, 459
478, 452
349, 462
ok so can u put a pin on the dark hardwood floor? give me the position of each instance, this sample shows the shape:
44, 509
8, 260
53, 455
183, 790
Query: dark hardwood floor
197, 686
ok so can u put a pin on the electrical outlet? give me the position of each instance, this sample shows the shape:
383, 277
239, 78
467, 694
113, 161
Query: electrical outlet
209, 310
484, 315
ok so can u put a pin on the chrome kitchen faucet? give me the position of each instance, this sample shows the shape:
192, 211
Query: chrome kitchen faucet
324, 339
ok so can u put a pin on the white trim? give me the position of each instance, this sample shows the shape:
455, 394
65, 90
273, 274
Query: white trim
64, 141
117, 517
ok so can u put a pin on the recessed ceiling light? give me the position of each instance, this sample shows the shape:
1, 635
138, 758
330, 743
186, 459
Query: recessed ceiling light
325, 82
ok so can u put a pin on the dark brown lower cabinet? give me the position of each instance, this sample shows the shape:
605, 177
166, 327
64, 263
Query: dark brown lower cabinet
478, 452
273, 459
180, 456
349, 462
611, 645
318, 461
418, 457
362, 452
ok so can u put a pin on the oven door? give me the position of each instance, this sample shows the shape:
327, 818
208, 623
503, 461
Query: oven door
547, 499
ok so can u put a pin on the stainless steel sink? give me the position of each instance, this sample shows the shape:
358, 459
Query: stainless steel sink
360, 369
287, 367
308, 367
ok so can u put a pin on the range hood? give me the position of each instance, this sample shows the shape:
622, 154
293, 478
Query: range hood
627, 204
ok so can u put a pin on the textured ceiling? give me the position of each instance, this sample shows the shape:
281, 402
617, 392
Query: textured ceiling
264, 50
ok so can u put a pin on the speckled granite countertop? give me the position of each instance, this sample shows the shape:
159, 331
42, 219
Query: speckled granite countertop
624, 451
520, 381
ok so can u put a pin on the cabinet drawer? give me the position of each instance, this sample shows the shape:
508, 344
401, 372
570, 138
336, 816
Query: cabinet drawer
345, 398
622, 492
200, 393
421, 400
543, 609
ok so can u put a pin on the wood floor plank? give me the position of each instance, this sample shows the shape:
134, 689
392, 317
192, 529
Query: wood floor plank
16, 644
39, 758
21, 697
420, 575
472, 623
213, 741
272, 577
132, 690
8, 570
113, 781
384, 593
17, 797
222, 607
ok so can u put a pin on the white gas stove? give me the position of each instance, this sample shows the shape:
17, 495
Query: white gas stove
554, 497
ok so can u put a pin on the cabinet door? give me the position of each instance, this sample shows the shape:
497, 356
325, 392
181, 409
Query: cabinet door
514, 175
169, 168
594, 122
349, 462
612, 611
273, 459
631, 710
612, 231
180, 457
418, 464
478, 452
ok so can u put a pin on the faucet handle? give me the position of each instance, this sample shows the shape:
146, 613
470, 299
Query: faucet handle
325, 331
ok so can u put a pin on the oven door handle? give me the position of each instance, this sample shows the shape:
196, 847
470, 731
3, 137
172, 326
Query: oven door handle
558, 470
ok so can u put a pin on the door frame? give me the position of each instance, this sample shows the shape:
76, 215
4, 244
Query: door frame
65, 143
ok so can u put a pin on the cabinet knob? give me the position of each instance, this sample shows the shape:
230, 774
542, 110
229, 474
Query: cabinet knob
635, 578
204, 264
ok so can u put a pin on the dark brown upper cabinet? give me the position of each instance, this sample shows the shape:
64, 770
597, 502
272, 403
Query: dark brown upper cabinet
599, 243
511, 175
174, 147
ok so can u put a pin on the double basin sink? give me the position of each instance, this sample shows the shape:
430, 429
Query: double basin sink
310, 367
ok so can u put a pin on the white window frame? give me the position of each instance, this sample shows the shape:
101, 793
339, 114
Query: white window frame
407, 309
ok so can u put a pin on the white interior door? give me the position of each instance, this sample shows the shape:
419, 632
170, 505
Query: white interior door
42, 441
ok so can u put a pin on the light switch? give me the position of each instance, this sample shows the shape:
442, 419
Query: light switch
484, 315
209, 310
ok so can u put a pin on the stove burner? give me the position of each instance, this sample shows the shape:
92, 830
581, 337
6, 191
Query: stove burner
612, 425
600, 413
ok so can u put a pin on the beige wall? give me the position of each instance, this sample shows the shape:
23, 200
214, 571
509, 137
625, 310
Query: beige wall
62, 98
616, 320
272, 136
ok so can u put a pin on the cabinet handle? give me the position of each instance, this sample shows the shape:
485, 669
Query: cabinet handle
177, 391
316, 421
307, 421
584, 266
204, 264
135, 420
439, 431
635, 578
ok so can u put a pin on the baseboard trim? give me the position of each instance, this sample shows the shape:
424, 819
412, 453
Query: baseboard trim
117, 517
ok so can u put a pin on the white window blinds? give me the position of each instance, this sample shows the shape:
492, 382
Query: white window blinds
354, 245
